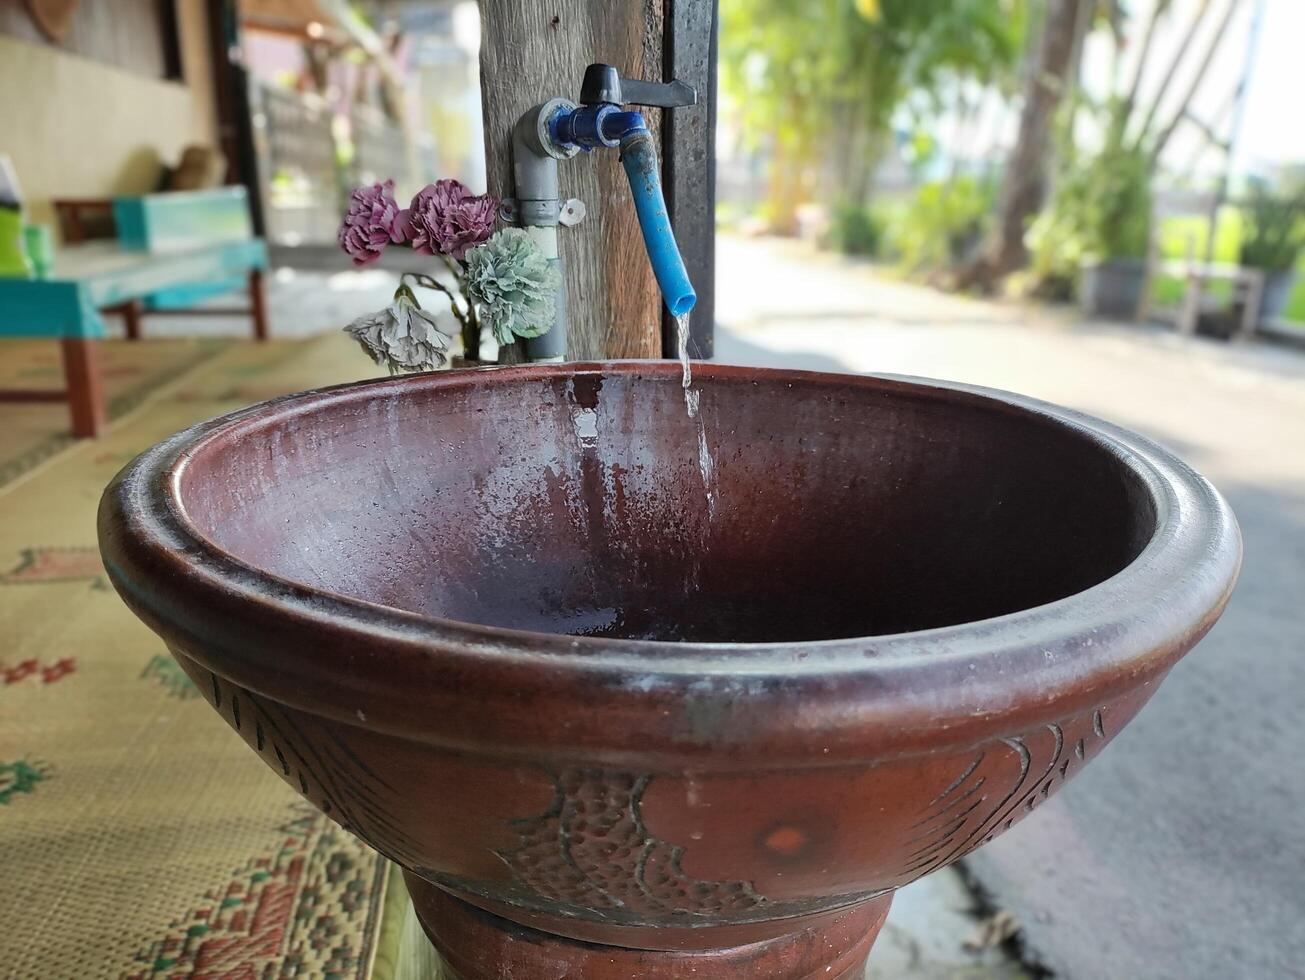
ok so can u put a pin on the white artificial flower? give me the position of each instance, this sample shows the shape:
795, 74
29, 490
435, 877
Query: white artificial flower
403, 336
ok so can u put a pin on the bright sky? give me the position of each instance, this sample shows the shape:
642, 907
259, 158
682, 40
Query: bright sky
1273, 128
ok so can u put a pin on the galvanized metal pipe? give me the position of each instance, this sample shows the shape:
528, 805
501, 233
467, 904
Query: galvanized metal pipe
538, 203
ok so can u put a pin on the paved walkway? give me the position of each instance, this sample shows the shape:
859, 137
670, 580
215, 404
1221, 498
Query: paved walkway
1180, 853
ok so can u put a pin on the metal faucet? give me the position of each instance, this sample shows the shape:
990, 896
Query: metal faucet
559, 129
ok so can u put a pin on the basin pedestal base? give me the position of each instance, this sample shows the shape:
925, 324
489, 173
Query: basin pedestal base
476, 945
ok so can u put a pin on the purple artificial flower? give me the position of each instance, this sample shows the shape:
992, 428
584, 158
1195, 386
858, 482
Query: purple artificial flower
371, 223
447, 219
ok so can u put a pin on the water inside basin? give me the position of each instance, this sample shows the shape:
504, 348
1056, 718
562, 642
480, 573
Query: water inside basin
792, 507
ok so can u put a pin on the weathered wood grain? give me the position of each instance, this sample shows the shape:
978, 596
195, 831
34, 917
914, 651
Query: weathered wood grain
538, 49
689, 165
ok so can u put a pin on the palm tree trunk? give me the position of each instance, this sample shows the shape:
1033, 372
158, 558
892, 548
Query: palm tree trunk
1024, 186
785, 189
846, 143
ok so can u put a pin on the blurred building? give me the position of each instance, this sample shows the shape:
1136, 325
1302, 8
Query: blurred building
98, 102
300, 100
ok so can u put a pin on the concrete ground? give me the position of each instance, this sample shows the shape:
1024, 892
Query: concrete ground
1180, 853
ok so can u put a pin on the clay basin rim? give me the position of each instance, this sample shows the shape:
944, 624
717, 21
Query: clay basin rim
460, 684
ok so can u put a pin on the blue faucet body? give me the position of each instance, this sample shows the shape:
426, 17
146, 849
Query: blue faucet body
605, 124
592, 126
557, 130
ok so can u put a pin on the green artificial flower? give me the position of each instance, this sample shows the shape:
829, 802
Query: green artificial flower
514, 284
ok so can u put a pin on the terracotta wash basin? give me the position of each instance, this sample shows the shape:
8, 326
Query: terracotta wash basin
630, 693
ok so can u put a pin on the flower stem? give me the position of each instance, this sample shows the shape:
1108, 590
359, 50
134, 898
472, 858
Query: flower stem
473, 320
456, 267
471, 327
471, 337
429, 282
467, 319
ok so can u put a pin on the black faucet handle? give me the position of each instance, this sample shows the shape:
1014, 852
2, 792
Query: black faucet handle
664, 95
603, 83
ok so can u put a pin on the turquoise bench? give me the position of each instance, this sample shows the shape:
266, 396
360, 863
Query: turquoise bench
171, 251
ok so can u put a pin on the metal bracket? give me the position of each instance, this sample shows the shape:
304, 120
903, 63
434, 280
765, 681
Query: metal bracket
572, 212
569, 212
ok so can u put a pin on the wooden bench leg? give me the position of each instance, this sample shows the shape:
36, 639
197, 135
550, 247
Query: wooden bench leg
1190, 313
131, 311
81, 369
131, 314
258, 304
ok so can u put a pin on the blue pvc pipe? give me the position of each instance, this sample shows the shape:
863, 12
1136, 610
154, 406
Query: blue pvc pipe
639, 157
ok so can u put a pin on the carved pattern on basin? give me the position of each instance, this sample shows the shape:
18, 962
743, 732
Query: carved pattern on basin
590, 854
312, 758
590, 849
963, 817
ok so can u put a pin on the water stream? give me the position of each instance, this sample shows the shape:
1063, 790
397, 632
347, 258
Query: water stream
686, 368
706, 463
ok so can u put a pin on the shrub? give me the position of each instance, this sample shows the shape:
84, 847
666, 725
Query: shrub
1118, 204
943, 223
1101, 210
856, 230
1274, 229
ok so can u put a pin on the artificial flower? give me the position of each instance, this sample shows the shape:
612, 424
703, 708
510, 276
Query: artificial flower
515, 285
403, 336
445, 218
371, 223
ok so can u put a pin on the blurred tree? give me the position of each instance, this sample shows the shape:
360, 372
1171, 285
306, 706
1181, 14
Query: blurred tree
1101, 207
1050, 75
774, 62
820, 80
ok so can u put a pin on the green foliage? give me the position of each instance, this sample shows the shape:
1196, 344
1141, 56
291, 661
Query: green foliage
807, 72
775, 62
1101, 210
1184, 235
1274, 228
856, 230
1056, 249
977, 39
1118, 209
943, 222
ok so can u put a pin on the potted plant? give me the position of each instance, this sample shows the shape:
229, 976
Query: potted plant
1114, 195
1272, 238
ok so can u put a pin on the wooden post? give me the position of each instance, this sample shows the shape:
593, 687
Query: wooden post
689, 165
531, 52
131, 315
